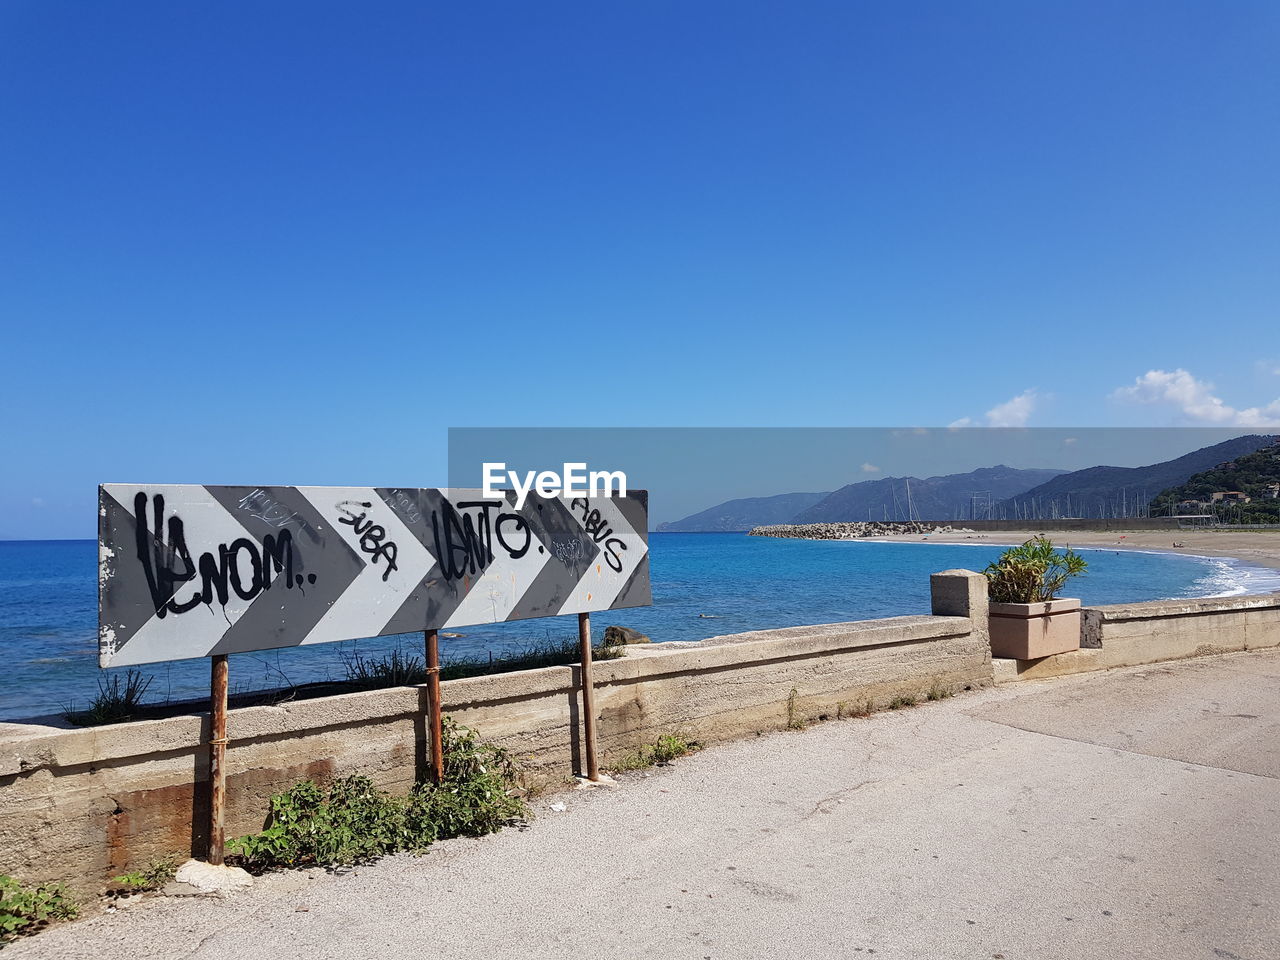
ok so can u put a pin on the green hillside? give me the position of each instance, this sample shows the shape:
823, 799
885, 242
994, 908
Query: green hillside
1253, 474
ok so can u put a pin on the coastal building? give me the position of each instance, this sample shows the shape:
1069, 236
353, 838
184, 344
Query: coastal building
1229, 496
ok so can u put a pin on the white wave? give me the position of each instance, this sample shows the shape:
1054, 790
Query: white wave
1228, 577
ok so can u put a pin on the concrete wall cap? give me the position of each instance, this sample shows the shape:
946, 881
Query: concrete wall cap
1175, 608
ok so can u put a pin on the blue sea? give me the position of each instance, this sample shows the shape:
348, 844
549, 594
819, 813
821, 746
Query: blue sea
703, 585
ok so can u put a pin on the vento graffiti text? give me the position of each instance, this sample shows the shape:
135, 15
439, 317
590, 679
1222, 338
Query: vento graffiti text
464, 542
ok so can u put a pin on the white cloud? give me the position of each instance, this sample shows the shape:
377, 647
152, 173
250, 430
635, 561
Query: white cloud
1195, 399
870, 468
1014, 412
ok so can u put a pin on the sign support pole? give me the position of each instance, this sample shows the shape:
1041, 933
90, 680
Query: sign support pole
435, 717
588, 697
217, 757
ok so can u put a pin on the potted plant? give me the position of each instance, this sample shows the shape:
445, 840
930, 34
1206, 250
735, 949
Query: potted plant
1027, 617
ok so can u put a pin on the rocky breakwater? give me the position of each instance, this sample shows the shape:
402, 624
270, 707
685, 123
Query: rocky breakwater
852, 530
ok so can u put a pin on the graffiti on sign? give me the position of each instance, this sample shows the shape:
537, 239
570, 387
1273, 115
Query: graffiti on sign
193, 571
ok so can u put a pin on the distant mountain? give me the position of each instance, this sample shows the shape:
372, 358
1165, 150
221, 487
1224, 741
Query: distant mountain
735, 516
1004, 492
953, 497
1120, 491
1243, 490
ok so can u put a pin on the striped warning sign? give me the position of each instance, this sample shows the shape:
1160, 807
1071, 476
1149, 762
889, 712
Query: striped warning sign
193, 571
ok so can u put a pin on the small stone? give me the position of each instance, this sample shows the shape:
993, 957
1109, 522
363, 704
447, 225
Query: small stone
615, 635
557, 808
207, 878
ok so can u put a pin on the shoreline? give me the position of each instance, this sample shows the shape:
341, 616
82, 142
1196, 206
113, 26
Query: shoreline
1250, 548
1259, 548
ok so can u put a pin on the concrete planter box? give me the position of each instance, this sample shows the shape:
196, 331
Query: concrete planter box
1028, 631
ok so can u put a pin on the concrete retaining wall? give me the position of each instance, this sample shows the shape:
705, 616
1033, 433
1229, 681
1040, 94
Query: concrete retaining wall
84, 805
1135, 633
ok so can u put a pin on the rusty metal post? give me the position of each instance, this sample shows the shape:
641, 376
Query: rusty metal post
435, 726
588, 697
217, 757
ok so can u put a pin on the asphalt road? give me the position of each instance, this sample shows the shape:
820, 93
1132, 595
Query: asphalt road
1130, 814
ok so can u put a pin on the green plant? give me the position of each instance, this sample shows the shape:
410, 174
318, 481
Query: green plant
351, 822
151, 877
863, 708
119, 698
666, 748
135, 881
794, 720
25, 910
475, 795
401, 669
902, 701
354, 822
938, 692
1032, 573
395, 669
547, 653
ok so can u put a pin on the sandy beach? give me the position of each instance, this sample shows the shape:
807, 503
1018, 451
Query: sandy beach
1255, 547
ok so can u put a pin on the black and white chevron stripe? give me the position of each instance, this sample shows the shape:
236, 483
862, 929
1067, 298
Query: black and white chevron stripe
191, 571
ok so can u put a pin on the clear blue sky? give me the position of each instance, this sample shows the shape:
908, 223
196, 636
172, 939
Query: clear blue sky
293, 242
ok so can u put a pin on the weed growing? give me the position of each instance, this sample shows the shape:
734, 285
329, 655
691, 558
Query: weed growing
859, 708
794, 720
399, 669
27, 910
354, 822
395, 669
666, 748
547, 653
119, 698
151, 877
